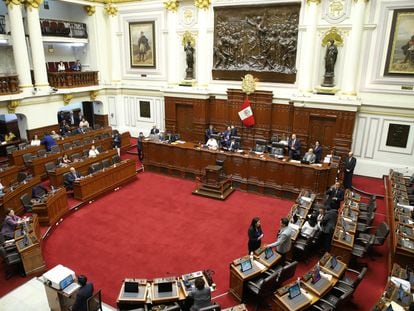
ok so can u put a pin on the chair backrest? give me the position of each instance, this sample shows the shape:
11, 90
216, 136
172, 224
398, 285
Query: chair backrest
77, 142
50, 166
75, 156
94, 302
116, 159
382, 233
27, 157
288, 271
41, 153
21, 176
269, 284
360, 277
25, 199
99, 148
106, 162
22, 146
220, 162
10, 149
66, 146
97, 166
55, 149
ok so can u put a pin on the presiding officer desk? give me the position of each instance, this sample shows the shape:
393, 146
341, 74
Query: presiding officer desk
104, 180
256, 173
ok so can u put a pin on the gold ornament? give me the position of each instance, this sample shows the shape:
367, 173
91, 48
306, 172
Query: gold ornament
202, 4
333, 34
13, 104
13, 2
188, 37
33, 3
111, 9
67, 98
249, 84
90, 9
171, 5
314, 1
93, 95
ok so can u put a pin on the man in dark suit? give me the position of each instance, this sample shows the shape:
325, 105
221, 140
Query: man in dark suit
234, 145
233, 131
350, 163
294, 146
140, 146
317, 150
327, 225
70, 178
154, 130
85, 292
335, 196
225, 141
209, 132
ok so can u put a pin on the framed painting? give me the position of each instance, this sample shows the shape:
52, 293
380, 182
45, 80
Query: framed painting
142, 44
400, 53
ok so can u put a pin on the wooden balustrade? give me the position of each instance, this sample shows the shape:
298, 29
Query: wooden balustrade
70, 79
9, 85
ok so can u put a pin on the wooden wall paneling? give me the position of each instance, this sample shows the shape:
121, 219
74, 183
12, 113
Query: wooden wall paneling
281, 125
101, 119
170, 117
40, 131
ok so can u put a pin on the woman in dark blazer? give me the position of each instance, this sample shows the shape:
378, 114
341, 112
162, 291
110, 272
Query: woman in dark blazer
255, 234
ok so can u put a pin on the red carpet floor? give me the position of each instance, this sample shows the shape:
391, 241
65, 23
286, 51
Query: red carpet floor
154, 227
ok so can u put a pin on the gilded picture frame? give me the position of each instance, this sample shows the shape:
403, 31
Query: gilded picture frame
142, 44
400, 53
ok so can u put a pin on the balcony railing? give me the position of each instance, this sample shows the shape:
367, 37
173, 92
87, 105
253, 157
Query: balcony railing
9, 85
2, 25
73, 79
57, 28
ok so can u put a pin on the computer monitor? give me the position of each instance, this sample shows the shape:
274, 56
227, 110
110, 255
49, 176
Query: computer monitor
165, 287
131, 287
294, 291
334, 262
268, 253
246, 265
345, 225
316, 275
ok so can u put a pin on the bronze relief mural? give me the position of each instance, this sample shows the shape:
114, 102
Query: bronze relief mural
261, 40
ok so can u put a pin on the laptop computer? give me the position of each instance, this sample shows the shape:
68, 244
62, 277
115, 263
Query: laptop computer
294, 291
131, 289
334, 262
269, 253
165, 289
246, 265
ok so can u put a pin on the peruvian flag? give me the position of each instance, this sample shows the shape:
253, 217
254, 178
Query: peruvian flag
246, 113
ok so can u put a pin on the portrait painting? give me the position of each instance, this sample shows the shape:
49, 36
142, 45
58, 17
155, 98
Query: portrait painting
400, 53
142, 44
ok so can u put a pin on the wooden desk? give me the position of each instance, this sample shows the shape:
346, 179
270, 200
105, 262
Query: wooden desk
56, 176
141, 296
301, 302
32, 227
100, 182
8, 174
4, 145
37, 165
16, 157
52, 208
261, 174
260, 256
157, 298
11, 199
58, 300
238, 278
31, 254
240, 307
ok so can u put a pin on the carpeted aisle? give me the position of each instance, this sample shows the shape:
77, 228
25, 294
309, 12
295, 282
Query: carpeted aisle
154, 228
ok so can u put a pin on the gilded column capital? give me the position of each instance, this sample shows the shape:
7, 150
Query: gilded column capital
111, 9
313, 1
93, 95
11, 3
202, 4
13, 104
32, 4
366, 1
67, 98
171, 5
90, 9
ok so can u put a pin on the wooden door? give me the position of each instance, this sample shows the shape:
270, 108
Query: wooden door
322, 129
184, 115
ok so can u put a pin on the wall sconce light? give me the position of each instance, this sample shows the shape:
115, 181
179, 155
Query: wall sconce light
50, 49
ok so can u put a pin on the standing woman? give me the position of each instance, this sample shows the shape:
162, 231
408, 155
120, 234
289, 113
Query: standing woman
255, 234
117, 142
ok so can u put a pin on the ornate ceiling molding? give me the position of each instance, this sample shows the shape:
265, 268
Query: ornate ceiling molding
13, 104
33, 4
90, 9
13, 2
202, 4
171, 5
111, 9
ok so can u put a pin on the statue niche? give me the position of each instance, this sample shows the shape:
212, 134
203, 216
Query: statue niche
259, 39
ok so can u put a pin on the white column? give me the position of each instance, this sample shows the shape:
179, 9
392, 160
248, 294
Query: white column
21, 57
308, 59
36, 44
173, 57
202, 71
351, 63
114, 43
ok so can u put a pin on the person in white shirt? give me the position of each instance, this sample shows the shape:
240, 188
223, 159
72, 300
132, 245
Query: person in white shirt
309, 228
61, 67
212, 144
93, 152
35, 141
83, 123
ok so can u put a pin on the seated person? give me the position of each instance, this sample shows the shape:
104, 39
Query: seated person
225, 141
93, 152
64, 128
154, 130
65, 159
70, 178
35, 141
9, 137
234, 145
201, 295
317, 150
77, 66
84, 293
83, 123
309, 156
294, 146
54, 135
335, 196
233, 131
10, 223
309, 228
61, 67
212, 144
210, 131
